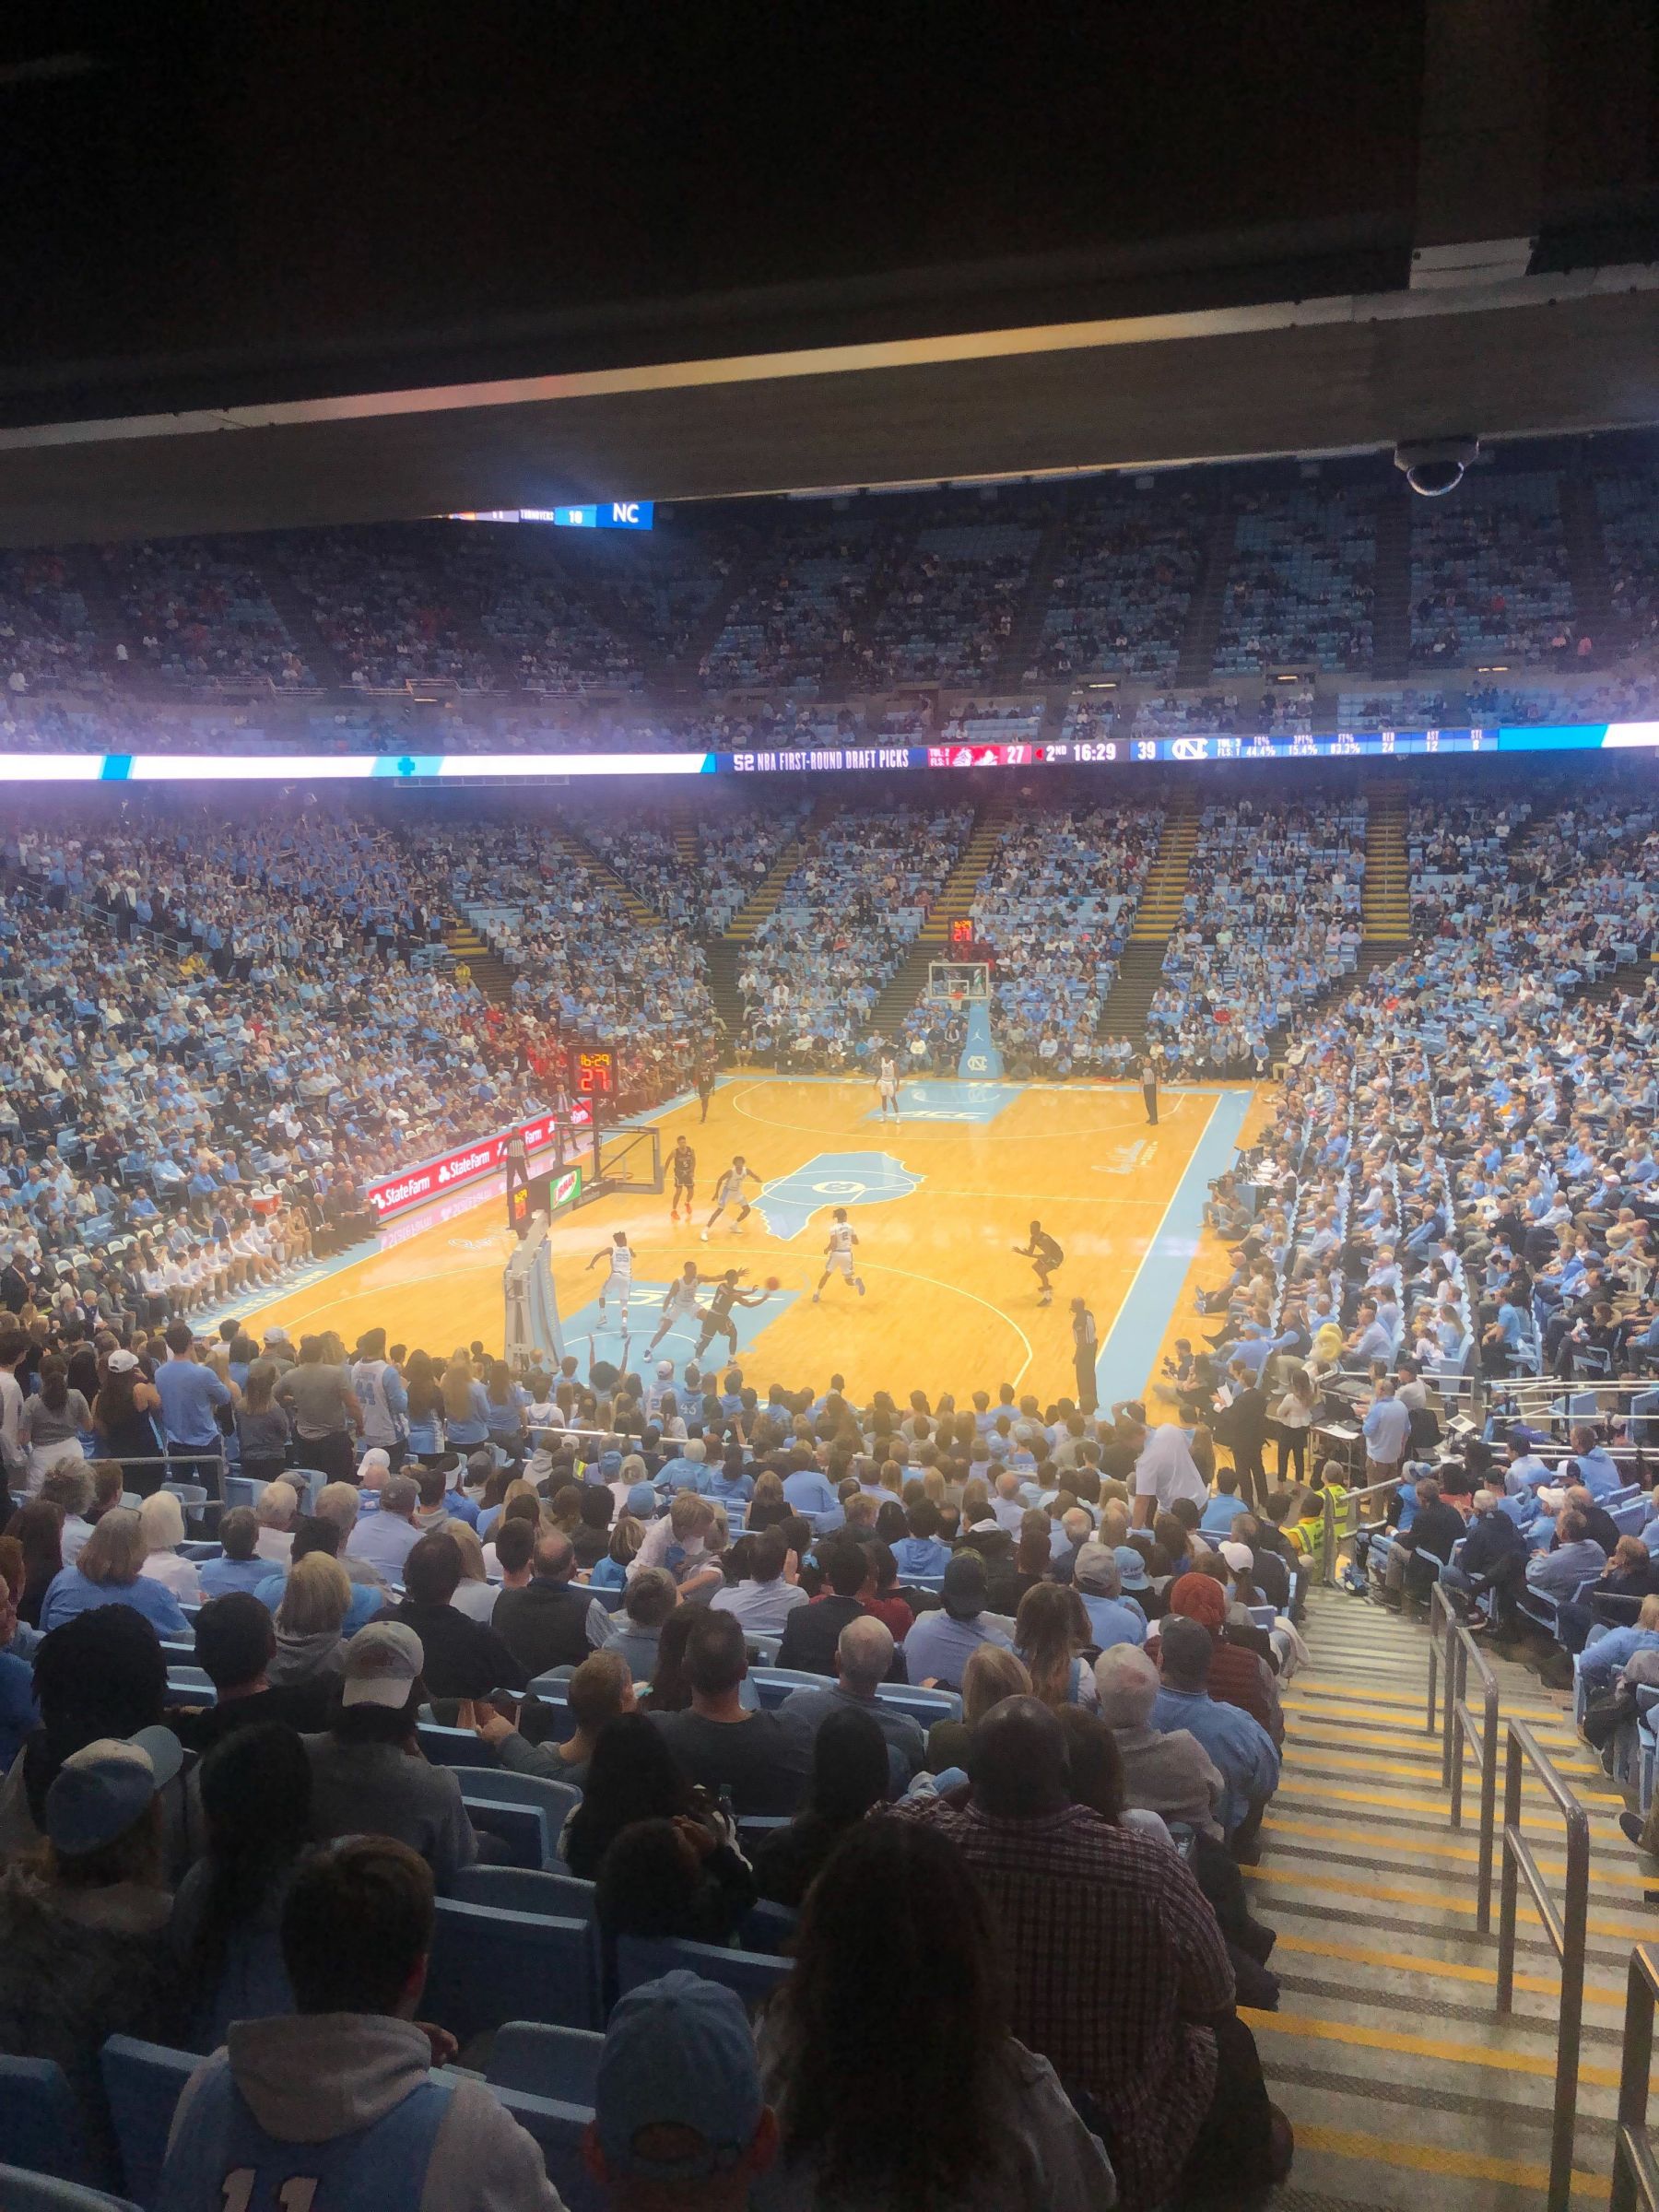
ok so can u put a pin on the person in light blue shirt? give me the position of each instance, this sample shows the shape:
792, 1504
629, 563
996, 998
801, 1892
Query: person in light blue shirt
1598, 1663
685, 1471
921, 1553
1526, 1474
1386, 1428
107, 1574
240, 1567
808, 1492
940, 1643
189, 1394
1098, 1581
1240, 1746
1577, 1559
1224, 1507
730, 1483
384, 1539
1596, 1470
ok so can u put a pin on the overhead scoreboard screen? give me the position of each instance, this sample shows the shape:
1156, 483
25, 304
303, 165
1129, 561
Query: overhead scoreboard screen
1192, 748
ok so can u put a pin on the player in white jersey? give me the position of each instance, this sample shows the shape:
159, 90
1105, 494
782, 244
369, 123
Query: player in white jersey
679, 1303
728, 1191
620, 1253
887, 1086
838, 1254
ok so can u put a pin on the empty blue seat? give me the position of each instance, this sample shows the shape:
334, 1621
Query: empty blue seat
526, 1889
453, 1746
773, 1683
41, 2126
489, 1967
925, 1706
524, 1830
557, 1799
21, 2192
769, 1928
543, 2061
143, 2082
753, 1974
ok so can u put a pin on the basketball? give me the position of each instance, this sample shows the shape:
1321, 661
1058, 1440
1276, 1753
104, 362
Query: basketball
772, 1283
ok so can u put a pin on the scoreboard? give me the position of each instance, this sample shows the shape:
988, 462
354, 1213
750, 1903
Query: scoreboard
593, 1071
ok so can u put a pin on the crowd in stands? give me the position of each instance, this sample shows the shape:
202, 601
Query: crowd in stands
201, 614
1301, 588
834, 1680
950, 609
1271, 921
811, 975
389, 610
1624, 506
1124, 574
796, 620
1490, 577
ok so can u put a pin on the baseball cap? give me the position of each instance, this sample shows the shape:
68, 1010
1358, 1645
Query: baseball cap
123, 1363
275, 1335
1239, 1557
664, 1368
382, 1664
1132, 1566
641, 1501
679, 2053
104, 1788
964, 1582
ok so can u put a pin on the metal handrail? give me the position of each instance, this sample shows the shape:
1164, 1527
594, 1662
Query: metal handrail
1333, 1538
1635, 2166
1459, 1729
1564, 1927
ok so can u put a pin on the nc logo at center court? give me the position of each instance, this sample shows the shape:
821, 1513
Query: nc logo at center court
832, 1179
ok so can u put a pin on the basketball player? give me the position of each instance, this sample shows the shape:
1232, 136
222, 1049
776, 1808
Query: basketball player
728, 1191
704, 1080
684, 1163
620, 1253
679, 1303
717, 1314
838, 1254
1045, 1255
887, 1086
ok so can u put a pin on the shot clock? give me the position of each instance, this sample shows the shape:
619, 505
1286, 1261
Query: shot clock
593, 1071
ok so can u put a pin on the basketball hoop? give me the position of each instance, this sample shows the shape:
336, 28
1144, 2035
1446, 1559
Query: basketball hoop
956, 1002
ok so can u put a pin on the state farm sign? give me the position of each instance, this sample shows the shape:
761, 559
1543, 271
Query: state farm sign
398, 1194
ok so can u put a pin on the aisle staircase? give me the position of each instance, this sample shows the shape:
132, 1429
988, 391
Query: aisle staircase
576, 849
489, 971
763, 902
1165, 885
1385, 897
933, 939
1405, 2086
1390, 588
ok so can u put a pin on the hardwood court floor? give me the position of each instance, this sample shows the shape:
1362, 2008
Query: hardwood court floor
937, 1204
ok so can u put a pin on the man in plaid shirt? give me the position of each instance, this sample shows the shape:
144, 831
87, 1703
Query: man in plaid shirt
1119, 1974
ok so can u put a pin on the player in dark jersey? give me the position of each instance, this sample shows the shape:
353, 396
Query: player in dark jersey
684, 1162
717, 1314
1045, 1255
704, 1080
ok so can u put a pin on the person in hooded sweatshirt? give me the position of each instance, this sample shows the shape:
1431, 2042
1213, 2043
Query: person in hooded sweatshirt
339, 2094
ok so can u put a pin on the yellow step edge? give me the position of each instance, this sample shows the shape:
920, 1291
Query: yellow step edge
1343, 1762
1441, 1969
1464, 1853
1433, 2157
1541, 2066
1382, 1893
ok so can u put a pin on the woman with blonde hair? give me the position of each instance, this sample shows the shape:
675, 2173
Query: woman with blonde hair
475, 1594
1051, 1630
162, 1518
107, 1571
466, 1406
991, 1675
315, 1601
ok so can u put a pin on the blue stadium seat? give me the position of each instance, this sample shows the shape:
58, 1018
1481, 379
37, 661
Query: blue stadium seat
559, 1800
773, 1683
769, 1928
21, 2192
40, 2124
489, 1968
453, 1746
611, 1599
543, 2061
753, 1974
925, 1706
143, 2082
524, 1830
559, 2129
524, 1889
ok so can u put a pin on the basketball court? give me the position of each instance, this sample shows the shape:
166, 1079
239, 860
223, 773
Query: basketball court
938, 1203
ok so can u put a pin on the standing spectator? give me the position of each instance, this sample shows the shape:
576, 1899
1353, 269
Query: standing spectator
340, 2090
124, 1413
326, 1411
262, 1424
191, 1395
52, 1422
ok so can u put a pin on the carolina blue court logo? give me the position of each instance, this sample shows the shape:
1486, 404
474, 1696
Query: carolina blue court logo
832, 1179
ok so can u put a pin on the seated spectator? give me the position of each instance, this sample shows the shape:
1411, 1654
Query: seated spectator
38, 1528
600, 1688
909, 2090
549, 1622
242, 1567
921, 1553
1165, 1772
311, 1623
109, 1572
683, 1877
1098, 1581
634, 1633
161, 1521
1052, 1631
765, 1597
850, 1775
83, 1929
384, 1539
633, 1776
864, 1659
1572, 1559
19, 1715
369, 1777
276, 1512
938, 1648
1435, 1528
69, 1489
811, 1632
1238, 1675
235, 1643
316, 1533
256, 1801
1240, 1746
719, 1742
991, 1673
1118, 1973
340, 2090
461, 1657
679, 2115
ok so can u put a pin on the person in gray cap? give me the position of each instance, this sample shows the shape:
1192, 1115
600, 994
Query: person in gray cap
1168, 1773
83, 1934
940, 1643
367, 1778
679, 2115
1099, 1581
383, 1540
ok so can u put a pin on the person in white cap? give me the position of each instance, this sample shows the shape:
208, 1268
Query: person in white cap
83, 1933
334, 2105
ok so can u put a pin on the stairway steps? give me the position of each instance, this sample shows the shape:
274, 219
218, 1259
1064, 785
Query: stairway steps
471, 950
763, 901
576, 848
1386, 894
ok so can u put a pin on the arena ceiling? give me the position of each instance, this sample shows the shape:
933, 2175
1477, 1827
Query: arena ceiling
353, 265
